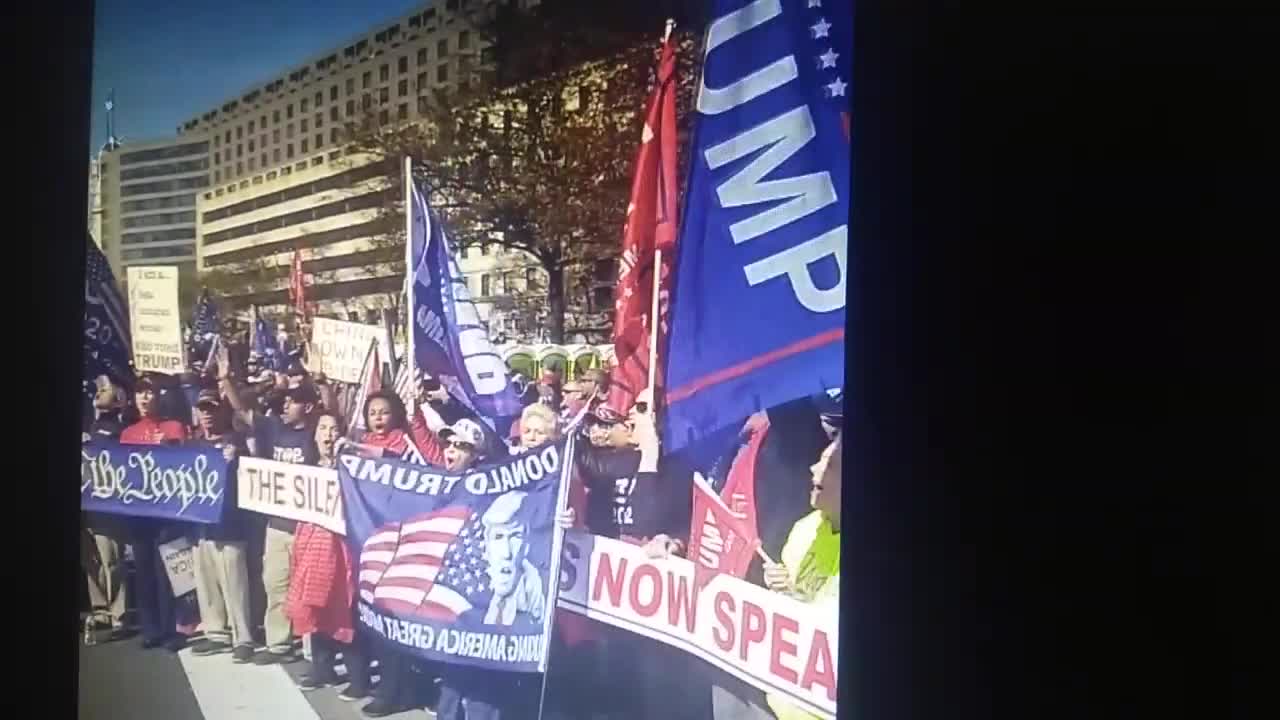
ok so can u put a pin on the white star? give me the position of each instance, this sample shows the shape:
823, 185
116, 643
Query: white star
828, 58
820, 30
815, 3
837, 87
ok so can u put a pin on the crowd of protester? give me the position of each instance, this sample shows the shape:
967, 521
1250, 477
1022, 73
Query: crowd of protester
262, 584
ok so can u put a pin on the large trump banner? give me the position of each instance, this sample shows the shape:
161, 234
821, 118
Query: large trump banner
173, 483
457, 567
769, 640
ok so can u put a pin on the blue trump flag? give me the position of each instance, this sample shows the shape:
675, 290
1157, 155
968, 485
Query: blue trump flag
449, 342
107, 349
459, 567
265, 345
173, 483
758, 311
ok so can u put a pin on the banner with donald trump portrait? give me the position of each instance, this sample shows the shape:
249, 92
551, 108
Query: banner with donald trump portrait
454, 566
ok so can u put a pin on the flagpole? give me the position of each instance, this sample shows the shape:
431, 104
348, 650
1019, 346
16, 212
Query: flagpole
654, 320
411, 358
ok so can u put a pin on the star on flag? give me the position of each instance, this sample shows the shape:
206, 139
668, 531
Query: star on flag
821, 29
828, 58
837, 88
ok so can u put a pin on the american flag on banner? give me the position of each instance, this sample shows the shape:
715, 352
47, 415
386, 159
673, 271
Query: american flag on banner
108, 349
430, 566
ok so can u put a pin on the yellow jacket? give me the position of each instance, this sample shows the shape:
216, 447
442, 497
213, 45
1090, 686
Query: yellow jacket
825, 600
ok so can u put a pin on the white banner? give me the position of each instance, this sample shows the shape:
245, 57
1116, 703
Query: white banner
179, 563
769, 640
338, 347
154, 320
295, 492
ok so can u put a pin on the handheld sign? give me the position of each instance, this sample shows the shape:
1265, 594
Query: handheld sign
155, 325
294, 492
173, 483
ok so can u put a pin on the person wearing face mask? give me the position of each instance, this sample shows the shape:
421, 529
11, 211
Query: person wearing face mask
322, 591
221, 553
156, 612
104, 534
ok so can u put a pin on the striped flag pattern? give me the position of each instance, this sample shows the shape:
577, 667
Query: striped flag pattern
108, 348
415, 569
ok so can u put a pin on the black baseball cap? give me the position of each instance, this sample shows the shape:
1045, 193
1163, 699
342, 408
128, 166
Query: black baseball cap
304, 393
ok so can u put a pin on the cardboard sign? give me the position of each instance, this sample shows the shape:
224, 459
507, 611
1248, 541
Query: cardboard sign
294, 492
179, 564
154, 321
780, 645
339, 347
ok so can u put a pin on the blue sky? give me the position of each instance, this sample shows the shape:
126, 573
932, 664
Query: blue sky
169, 60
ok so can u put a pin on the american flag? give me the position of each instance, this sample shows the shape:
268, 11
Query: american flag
430, 566
830, 29
107, 345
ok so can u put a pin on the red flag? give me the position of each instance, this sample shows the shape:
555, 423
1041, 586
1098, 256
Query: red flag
651, 224
723, 535
298, 287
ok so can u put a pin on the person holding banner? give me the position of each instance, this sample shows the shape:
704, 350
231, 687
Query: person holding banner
810, 567
103, 545
221, 553
156, 612
287, 437
322, 591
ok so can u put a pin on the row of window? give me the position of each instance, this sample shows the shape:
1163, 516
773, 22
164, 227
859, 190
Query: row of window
164, 153
338, 181
177, 218
366, 82
177, 201
163, 186
157, 253
310, 240
360, 202
178, 168
155, 236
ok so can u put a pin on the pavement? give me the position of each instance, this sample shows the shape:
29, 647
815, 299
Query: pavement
122, 681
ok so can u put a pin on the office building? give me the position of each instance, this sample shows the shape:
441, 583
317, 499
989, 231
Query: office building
146, 200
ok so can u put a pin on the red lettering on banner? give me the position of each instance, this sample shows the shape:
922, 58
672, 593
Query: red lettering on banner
818, 668
752, 627
682, 595
725, 639
781, 646
650, 608
606, 577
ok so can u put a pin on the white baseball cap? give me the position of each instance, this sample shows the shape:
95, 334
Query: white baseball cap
467, 431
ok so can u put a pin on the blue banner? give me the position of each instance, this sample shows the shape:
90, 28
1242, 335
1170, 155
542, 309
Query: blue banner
458, 568
173, 483
758, 311
449, 341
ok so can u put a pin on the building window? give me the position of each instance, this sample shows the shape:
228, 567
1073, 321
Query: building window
484, 285
288, 111
264, 121
239, 168
366, 80
239, 132
351, 108
333, 93
422, 81
317, 160
217, 140
275, 155
216, 158
262, 140
333, 136
251, 126
228, 137
251, 164
319, 99
305, 105
422, 56
384, 94
217, 176
333, 114
239, 150
264, 160
451, 5
304, 124
422, 105
275, 135
351, 86
366, 101
383, 117
403, 112
250, 144
464, 40
402, 88
275, 116
402, 65
442, 74
384, 72
288, 151
288, 130
319, 120
442, 48
319, 140
303, 146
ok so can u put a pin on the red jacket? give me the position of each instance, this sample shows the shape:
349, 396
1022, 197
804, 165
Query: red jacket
322, 586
